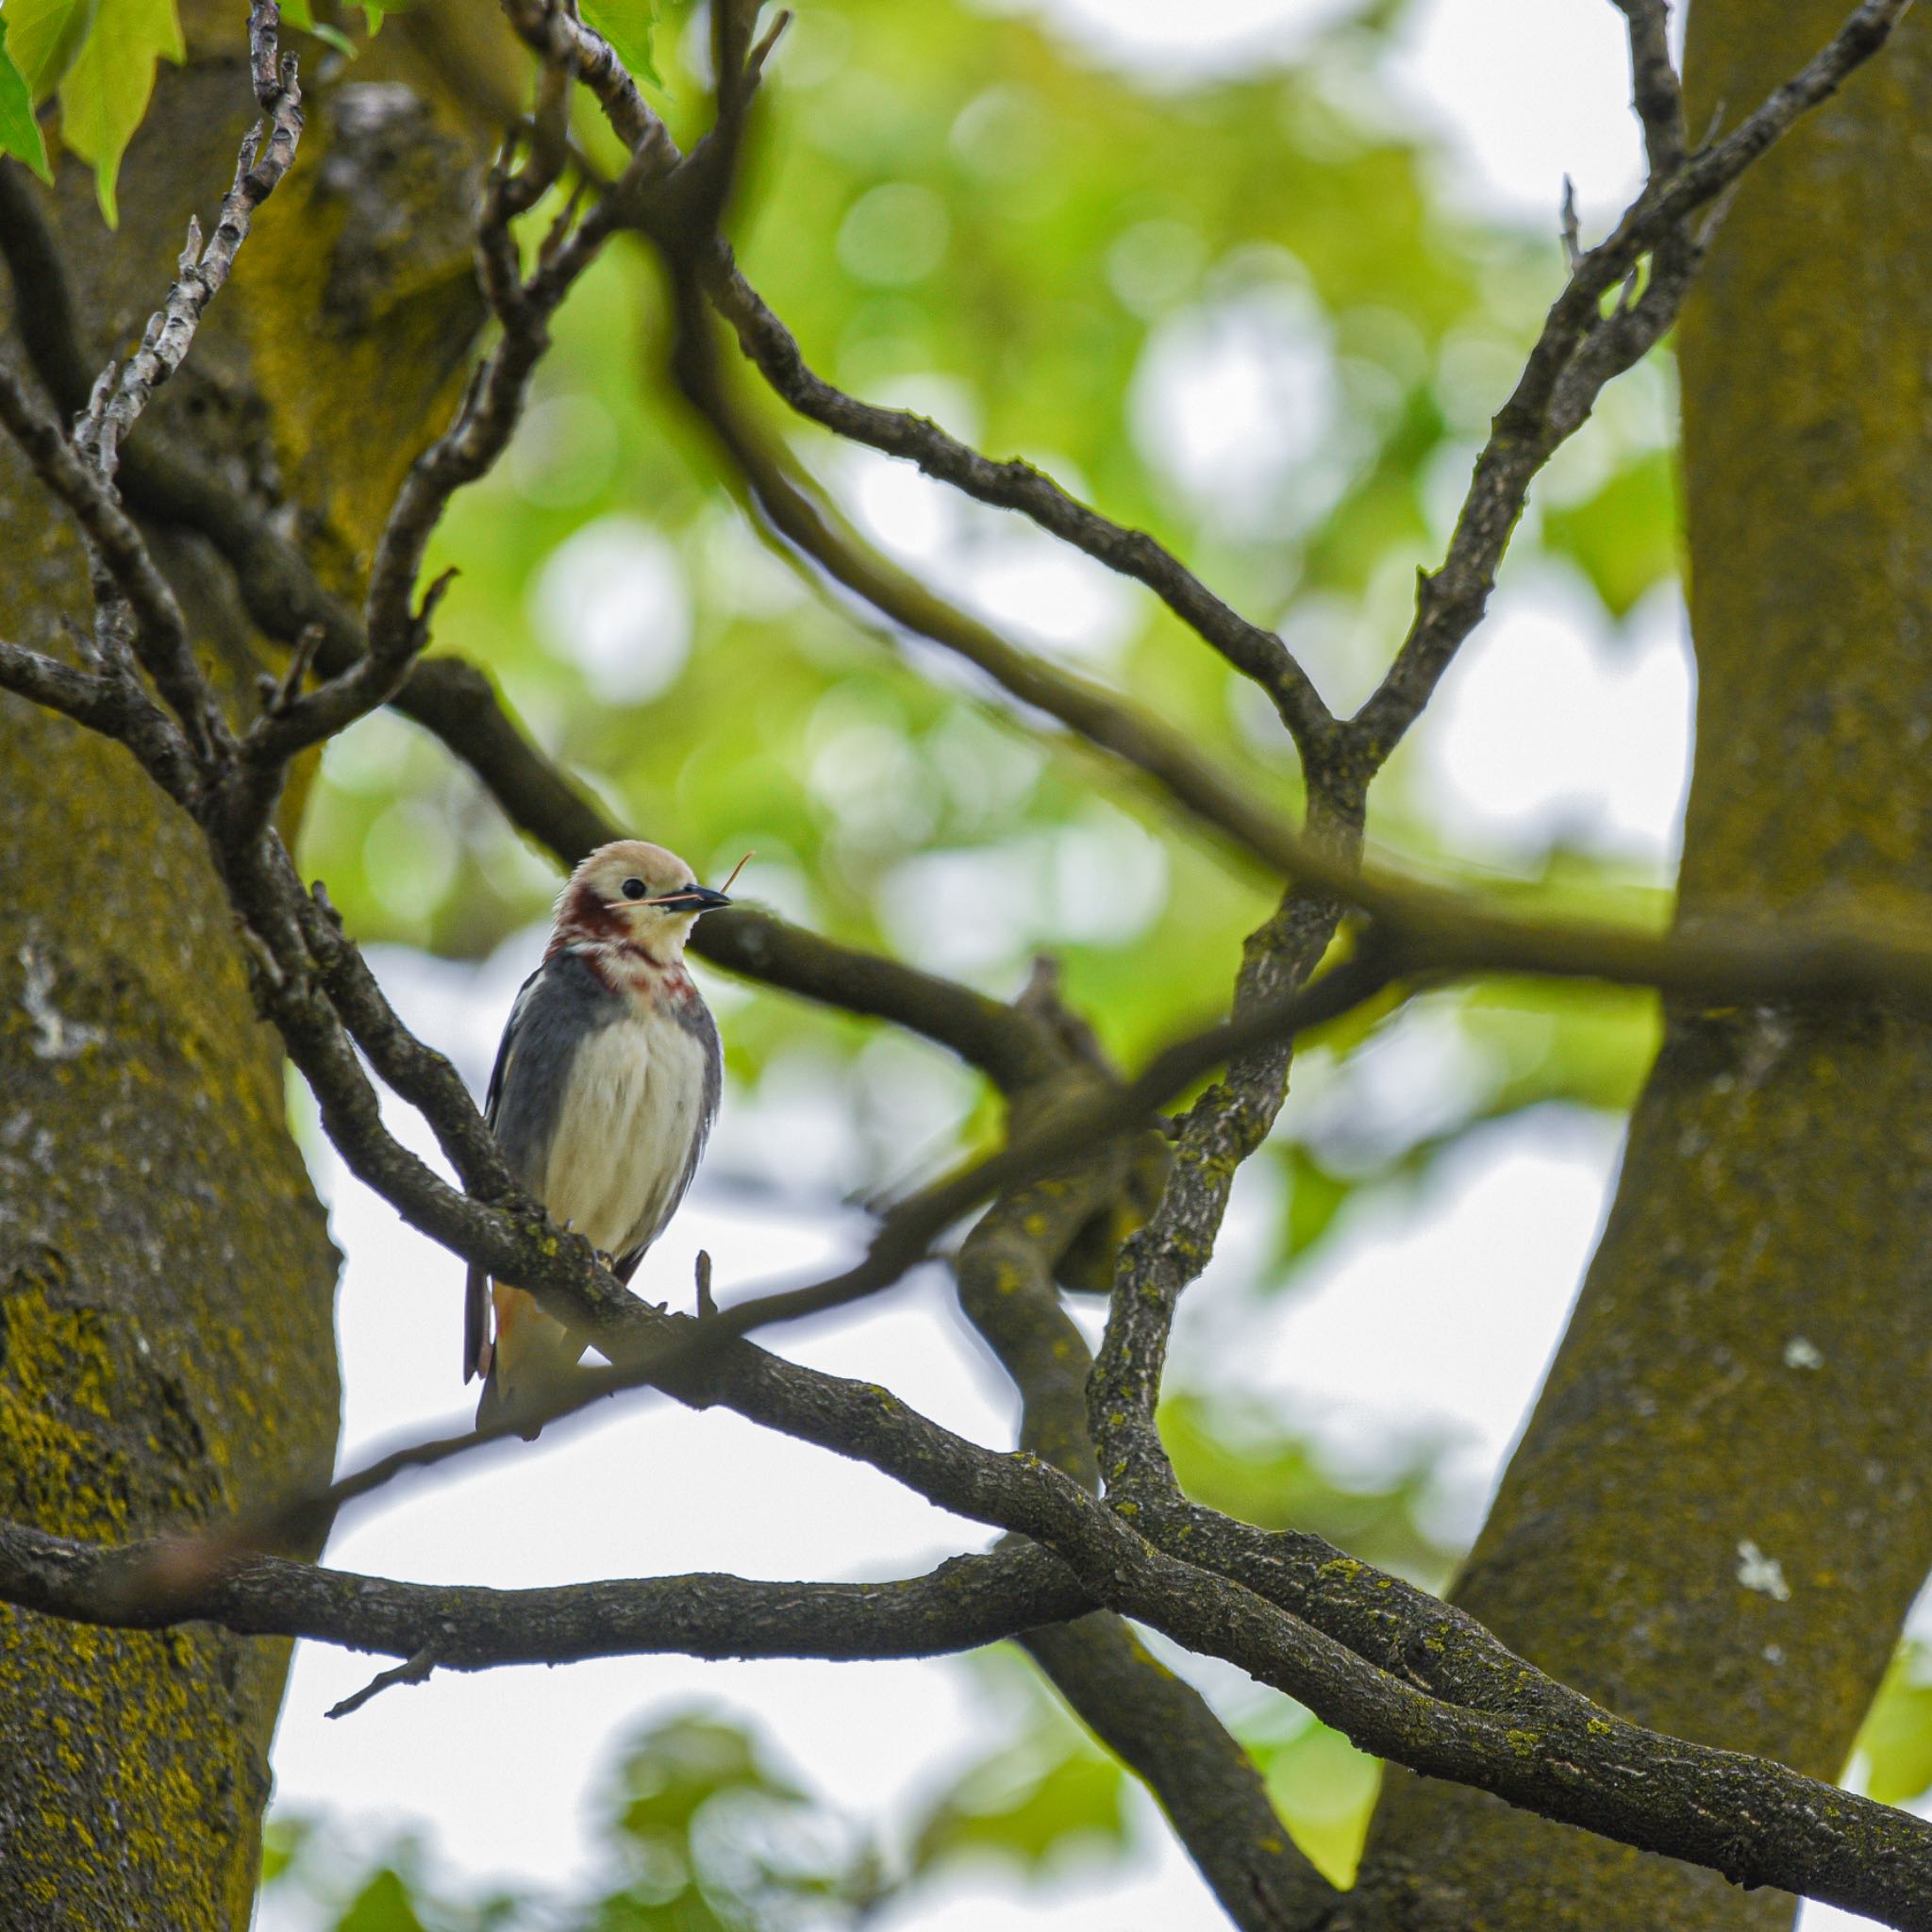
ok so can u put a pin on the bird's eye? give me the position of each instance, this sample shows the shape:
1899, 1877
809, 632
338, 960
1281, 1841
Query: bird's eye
634, 889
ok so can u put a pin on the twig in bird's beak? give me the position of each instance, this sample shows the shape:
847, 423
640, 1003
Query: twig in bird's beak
701, 893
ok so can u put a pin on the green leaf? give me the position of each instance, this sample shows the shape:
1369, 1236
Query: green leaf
1625, 535
1315, 1197
20, 133
384, 1905
1027, 1814
282, 1840
1897, 1735
105, 91
681, 1764
1588, 1044
42, 38
1323, 1787
298, 14
627, 25
1247, 1460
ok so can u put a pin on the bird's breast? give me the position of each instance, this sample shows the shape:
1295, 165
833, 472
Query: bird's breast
630, 1111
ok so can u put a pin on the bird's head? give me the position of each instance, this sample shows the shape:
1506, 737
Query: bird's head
637, 892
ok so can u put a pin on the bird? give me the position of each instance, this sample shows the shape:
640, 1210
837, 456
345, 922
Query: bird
602, 1098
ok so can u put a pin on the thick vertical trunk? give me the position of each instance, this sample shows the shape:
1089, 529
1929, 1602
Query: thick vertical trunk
166, 1279
1720, 1510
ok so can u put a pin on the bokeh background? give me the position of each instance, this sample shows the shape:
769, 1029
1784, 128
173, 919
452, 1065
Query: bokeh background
1253, 274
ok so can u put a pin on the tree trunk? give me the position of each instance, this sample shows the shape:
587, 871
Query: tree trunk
166, 1280
1720, 1510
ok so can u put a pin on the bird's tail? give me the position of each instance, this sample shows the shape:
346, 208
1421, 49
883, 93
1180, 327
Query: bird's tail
476, 1324
526, 1366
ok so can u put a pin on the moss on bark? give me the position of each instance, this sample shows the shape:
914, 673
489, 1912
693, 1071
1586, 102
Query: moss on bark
1720, 1510
166, 1280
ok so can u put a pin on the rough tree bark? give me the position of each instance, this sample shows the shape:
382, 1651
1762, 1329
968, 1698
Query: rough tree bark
1742, 1384
1715, 1521
166, 1280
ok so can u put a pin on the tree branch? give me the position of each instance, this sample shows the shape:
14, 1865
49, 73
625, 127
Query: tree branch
1207, 1786
806, 523
1755, 1821
105, 702
1655, 91
552, 29
1158, 1726
647, 1348
157, 1584
1545, 409
457, 705
1158, 1262
395, 631
680, 218
1015, 485
124, 574
1758, 1822
268, 149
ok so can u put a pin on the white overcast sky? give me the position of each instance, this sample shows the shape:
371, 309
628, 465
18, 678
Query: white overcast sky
1542, 722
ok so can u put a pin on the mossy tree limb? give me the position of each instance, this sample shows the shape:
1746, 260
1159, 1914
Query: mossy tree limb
167, 1349
1753, 1821
1720, 1515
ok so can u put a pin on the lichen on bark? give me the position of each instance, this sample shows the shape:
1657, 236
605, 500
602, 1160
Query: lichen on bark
1719, 1514
166, 1279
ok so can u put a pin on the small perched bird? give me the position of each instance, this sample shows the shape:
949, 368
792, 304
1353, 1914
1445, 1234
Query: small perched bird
604, 1091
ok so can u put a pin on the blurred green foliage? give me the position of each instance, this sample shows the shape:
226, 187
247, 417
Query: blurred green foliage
1893, 1760
1238, 314
703, 1833
1234, 314
1239, 1457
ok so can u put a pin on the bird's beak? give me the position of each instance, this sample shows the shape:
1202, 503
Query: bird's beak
693, 899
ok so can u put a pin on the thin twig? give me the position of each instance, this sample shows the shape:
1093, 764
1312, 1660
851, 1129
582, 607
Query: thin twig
138, 604
1019, 486
1158, 1726
266, 154
1549, 402
395, 631
416, 1670
1114, 725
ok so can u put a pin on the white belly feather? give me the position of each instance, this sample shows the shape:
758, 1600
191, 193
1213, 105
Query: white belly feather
630, 1111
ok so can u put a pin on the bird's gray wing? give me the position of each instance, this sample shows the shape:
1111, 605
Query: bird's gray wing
696, 1018
561, 1002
